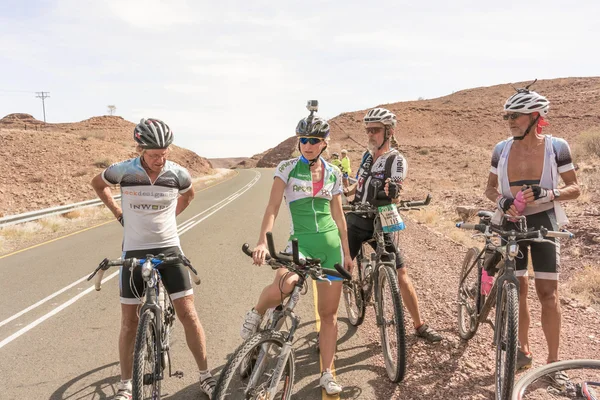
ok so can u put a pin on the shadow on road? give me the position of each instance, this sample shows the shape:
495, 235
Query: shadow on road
102, 389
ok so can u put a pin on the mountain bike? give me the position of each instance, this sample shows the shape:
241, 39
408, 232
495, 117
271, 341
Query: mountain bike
584, 382
263, 367
474, 305
375, 273
151, 355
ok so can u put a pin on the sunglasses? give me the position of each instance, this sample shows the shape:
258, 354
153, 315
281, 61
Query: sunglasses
373, 131
311, 140
511, 116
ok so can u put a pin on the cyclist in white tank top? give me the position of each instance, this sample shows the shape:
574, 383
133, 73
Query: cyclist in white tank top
531, 163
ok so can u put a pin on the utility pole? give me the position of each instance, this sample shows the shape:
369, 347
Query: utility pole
43, 96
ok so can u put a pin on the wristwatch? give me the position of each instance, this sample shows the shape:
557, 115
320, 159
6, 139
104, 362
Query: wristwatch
556, 193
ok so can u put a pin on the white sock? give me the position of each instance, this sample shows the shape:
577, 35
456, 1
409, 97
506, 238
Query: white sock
126, 383
204, 375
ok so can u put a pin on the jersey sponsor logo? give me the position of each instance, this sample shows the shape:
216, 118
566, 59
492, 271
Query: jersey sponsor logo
304, 189
156, 195
152, 207
285, 165
378, 176
359, 187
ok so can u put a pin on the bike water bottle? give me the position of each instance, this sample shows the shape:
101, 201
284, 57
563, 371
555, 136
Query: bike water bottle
487, 282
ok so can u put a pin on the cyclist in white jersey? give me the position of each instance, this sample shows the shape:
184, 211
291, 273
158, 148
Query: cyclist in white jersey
379, 125
532, 163
153, 192
312, 189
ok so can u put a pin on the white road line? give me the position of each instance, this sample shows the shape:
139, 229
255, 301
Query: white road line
51, 313
39, 303
184, 227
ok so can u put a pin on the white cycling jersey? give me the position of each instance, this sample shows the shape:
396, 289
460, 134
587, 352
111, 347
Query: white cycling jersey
148, 208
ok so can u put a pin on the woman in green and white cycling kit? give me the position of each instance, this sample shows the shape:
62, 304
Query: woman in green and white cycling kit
312, 189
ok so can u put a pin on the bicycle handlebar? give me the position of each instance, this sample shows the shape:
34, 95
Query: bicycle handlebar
537, 234
294, 262
135, 262
403, 205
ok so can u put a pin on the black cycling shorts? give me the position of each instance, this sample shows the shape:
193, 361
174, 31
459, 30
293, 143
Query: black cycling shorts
175, 277
360, 230
545, 257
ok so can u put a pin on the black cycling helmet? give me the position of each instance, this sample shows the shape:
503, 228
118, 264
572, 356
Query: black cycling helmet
152, 133
312, 127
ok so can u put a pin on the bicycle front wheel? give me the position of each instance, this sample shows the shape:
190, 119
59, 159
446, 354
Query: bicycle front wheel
391, 324
528, 387
235, 384
146, 362
506, 349
469, 298
354, 296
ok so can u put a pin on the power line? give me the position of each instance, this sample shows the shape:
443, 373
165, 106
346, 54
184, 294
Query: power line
43, 96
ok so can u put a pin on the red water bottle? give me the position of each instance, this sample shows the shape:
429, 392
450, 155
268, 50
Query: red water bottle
487, 282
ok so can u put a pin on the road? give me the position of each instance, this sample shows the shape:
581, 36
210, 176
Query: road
58, 337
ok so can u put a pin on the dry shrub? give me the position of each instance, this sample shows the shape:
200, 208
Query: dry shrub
20, 231
103, 163
81, 172
427, 216
585, 285
36, 179
73, 214
52, 224
90, 135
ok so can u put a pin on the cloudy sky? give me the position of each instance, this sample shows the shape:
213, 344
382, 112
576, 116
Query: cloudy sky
232, 77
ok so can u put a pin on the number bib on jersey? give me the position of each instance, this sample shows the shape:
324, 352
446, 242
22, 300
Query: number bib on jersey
391, 221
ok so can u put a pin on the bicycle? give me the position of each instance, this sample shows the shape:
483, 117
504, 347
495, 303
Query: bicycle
151, 354
474, 305
263, 367
580, 387
375, 272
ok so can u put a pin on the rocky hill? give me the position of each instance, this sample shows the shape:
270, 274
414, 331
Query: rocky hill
45, 165
448, 142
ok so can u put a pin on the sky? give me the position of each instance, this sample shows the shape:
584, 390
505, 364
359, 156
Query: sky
232, 77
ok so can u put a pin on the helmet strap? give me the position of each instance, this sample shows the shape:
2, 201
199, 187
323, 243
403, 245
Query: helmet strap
386, 136
314, 160
531, 125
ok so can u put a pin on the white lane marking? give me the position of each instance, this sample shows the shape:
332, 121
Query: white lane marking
39, 303
51, 313
184, 227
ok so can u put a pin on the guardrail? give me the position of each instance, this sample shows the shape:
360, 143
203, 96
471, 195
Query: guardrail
48, 212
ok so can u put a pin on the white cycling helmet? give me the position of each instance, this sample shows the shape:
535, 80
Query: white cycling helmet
382, 115
313, 127
527, 102
152, 133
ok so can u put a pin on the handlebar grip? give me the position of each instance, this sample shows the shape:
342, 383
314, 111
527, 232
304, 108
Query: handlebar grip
248, 252
342, 271
271, 244
562, 234
476, 227
246, 249
98, 280
533, 235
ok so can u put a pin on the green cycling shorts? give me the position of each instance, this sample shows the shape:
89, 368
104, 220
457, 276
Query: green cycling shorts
326, 246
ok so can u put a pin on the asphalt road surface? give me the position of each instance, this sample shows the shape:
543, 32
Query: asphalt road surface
58, 336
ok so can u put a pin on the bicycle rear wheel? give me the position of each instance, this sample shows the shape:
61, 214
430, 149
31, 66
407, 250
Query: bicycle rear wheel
534, 384
469, 299
233, 386
391, 320
146, 362
353, 293
506, 348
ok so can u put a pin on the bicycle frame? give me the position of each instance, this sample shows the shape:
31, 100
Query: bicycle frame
279, 317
